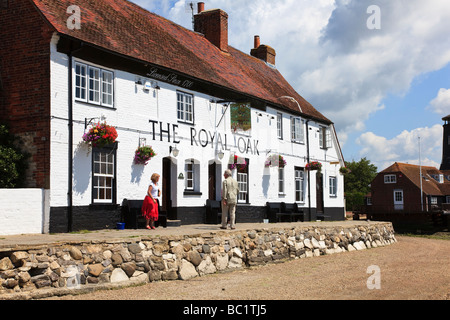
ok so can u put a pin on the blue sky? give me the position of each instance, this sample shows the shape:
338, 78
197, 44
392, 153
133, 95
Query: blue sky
383, 87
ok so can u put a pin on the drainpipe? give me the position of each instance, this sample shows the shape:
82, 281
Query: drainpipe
309, 171
70, 149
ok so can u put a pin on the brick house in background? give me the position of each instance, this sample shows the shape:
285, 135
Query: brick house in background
398, 189
410, 192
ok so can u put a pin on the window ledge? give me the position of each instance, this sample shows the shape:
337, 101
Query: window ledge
192, 193
103, 206
95, 104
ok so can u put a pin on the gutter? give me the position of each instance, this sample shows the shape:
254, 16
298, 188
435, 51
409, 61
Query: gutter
70, 149
309, 171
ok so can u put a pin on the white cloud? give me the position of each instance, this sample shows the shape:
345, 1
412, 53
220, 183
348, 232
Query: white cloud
358, 67
441, 104
403, 148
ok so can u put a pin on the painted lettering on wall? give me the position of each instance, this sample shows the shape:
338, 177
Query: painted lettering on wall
169, 78
168, 130
204, 138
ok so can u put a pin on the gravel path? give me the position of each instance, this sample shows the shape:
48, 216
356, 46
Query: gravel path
413, 268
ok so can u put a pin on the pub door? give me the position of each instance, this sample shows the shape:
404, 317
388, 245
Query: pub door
212, 181
166, 202
319, 193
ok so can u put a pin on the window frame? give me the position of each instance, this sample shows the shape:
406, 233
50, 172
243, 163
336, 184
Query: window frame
332, 186
324, 137
281, 181
182, 112
92, 84
97, 176
82, 79
280, 125
399, 203
433, 200
390, 178
243, 187
300, 192
189, 169
297, 130
110, 93
192, 166
243, 195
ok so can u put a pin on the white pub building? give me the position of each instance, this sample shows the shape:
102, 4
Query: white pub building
200, 104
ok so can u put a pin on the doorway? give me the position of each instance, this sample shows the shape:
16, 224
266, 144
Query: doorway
319, 193
214, 181
398, 199
166, 201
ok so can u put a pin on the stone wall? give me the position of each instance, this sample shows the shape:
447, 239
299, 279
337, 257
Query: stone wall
71, 268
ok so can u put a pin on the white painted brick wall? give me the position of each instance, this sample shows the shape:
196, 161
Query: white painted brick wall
133, 110
22, 211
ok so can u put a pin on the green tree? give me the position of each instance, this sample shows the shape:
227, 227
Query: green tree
13, 162
357, 182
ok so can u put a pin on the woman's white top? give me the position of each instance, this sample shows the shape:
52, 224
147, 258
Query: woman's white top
155, 189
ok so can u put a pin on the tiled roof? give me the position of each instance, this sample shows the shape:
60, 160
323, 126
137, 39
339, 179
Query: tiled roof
125, 28
429, 184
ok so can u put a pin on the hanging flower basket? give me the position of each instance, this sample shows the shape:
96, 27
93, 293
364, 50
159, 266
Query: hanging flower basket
100, 135
275, 160
239, 163
315, 165
344, 170
143, 155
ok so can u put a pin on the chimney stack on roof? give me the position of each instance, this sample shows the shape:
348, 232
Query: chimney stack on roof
263, 52
214, 25
445, 165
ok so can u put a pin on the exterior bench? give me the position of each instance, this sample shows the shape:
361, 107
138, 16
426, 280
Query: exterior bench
132, 215
213, 212
279, 211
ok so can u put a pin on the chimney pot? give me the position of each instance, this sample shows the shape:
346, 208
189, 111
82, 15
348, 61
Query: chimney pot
200, 7
257, 42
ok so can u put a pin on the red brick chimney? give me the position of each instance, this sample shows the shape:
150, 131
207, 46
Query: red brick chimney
214, 25
263, 52
200, 7
257, 42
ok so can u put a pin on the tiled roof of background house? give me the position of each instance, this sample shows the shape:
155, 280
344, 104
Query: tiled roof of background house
123, 27
429, 184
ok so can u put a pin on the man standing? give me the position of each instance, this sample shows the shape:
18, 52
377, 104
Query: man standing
230, 190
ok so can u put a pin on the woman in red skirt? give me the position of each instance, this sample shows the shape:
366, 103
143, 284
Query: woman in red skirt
150, 205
